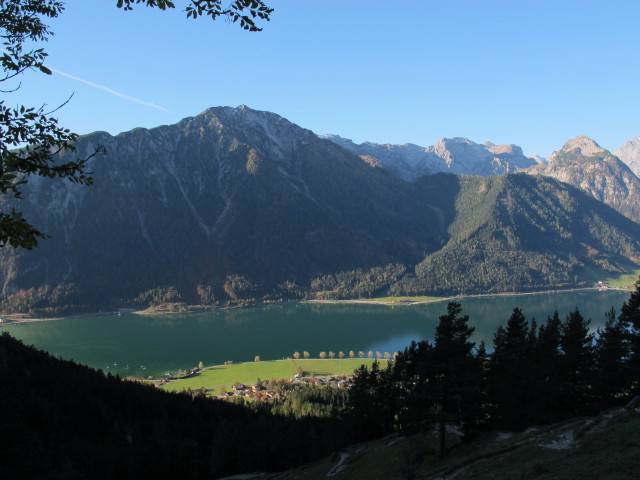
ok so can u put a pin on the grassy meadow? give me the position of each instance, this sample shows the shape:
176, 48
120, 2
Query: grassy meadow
622, 280
394, 300
214, 378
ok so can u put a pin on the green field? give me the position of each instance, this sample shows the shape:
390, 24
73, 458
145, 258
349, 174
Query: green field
624, 280
405, 299
213, 378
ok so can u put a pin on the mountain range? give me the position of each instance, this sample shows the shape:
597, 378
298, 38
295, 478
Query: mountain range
236, 204
451, 155
610, 178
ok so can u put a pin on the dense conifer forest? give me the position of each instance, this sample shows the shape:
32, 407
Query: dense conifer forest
60, 419
64, 420
537, 374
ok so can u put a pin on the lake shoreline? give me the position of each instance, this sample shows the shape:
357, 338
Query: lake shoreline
410, 302
143, 346
18, 319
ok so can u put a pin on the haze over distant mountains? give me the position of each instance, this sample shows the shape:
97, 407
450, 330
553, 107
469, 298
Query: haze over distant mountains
237, 204
451, 155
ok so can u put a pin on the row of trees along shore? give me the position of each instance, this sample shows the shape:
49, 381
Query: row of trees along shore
536, 374
341, 354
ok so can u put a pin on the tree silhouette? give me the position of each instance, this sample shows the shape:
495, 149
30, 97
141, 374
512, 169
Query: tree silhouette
613, 377
510, 384
630, 315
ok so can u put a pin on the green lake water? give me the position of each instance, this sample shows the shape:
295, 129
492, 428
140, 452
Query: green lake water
153, 345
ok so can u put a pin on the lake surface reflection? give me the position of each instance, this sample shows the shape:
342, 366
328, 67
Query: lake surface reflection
153, 345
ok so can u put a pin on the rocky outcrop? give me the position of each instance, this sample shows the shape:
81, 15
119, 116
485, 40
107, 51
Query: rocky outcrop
451, 155
629, 153
583, 163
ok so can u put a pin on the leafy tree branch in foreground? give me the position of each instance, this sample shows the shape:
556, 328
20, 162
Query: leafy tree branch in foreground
30, 137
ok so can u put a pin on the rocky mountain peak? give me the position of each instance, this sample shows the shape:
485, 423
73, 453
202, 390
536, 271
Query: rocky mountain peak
457, 155
583, 163
450, 148
585, 146
538, 159
629, 153
269, 131
505, 149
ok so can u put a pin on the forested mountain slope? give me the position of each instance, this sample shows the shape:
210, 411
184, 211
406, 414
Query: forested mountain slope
68, 421
517, 232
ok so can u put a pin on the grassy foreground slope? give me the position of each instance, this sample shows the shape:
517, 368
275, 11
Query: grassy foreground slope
604, 447
214, 378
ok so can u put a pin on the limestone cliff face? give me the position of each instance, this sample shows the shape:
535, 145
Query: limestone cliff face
629, 153
449, 155
583, 163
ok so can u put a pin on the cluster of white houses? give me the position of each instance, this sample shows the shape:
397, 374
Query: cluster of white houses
260, 392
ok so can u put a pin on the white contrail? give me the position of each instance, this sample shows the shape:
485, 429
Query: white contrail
113, 92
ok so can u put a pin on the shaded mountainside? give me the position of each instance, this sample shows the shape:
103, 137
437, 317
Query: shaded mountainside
236, 204
449, 155
521, 232
230, 197
583, 163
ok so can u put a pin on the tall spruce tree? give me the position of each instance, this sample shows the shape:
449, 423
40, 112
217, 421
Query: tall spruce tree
613, 352
510, 384
458, 373
546, 384
576, 365
630, 315
413, 372
372, 401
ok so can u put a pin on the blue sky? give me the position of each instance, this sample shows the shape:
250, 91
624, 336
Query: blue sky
534, 73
